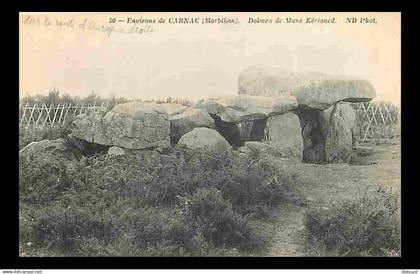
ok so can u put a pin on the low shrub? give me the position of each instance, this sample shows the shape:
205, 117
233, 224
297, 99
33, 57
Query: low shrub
163, 205
66, 229
42, 180
164, 179
48, 133
215, 219
165, 230
252, 188
367, 225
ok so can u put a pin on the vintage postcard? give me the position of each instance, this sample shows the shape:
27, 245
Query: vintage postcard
260, 134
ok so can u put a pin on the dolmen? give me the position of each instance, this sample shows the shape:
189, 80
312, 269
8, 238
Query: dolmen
327, 119
307, 116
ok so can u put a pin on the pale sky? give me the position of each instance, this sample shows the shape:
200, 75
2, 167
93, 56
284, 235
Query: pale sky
197, 60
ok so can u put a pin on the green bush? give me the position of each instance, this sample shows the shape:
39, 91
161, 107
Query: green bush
215, 219
251, 188
165, 229
42, 180
366, 225
66, 229
163, 205
38, 134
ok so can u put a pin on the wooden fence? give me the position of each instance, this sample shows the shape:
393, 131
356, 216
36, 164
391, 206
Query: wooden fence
43, 116
376, 122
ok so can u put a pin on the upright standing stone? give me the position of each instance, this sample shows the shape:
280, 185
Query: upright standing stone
314, 124
284, 133
341, 134
330, 135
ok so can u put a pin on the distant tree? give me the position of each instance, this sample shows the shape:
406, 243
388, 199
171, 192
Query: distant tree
40, 99
67, 99
31, 100
92, 98
77, 100
53, 97
114, 100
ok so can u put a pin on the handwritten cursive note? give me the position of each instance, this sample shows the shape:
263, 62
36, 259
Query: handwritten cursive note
88, 24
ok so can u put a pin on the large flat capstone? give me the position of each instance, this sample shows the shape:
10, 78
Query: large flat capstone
247, 108
133, 125
312, 90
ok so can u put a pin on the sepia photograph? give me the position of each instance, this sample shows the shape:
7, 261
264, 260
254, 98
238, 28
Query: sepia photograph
209, 134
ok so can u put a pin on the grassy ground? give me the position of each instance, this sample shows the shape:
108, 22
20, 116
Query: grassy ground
377, 165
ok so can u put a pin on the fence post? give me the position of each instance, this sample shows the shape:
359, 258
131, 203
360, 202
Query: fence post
47, 117
81, 108
65, 115
370, 122
23, 115
376, 123
389, 114
398, 125
55, 114
75, 108
40, 114
30, 117
61, 113
364, 131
